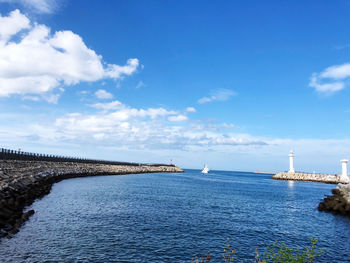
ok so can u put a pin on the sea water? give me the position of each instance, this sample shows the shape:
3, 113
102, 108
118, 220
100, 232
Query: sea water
174, 217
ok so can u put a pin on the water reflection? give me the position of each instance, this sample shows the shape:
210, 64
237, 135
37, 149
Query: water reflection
291, 184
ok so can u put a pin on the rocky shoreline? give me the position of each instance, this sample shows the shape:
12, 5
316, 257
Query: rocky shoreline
22, 182
339, 202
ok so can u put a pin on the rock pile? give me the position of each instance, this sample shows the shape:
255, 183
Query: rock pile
309, 177
339, 202
21, 182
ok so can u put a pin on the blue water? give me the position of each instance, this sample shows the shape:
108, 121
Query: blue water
173, 217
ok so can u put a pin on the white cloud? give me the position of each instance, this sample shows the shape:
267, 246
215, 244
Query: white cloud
154, 112
32, 98
218, 95
149, 133
107, 106
330, 80
132, 134
131, 128
115, 124
190, 109
39, 62
39, 6
51, 97
153, 141
337, 72
116, 71
123, 112
140, 84
99, 136
102, 94
229, 126
206, 99
177, 118
12, 24
327, 88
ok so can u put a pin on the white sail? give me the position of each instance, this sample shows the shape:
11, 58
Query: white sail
205, 169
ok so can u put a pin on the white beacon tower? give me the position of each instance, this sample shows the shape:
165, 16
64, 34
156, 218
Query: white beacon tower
344, 170
291, 162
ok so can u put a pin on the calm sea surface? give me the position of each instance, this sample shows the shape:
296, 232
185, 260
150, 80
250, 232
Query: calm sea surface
172, 217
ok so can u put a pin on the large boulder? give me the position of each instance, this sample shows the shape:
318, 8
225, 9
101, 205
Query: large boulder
339, 202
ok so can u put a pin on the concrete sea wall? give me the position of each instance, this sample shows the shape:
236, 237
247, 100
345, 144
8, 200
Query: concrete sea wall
309, 177
23, 181
339, 202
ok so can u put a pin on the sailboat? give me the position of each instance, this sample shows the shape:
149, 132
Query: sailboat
205, 169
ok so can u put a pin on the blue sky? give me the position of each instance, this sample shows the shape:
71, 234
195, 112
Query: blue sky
234, 84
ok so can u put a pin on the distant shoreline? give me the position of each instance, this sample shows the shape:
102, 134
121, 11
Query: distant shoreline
256, 172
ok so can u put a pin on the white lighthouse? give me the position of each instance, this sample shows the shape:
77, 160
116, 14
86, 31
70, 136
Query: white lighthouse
291, 162
344, 171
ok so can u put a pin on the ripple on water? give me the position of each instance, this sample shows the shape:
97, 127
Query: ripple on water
172, 217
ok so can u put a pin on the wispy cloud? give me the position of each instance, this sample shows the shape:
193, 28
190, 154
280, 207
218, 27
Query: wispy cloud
135, 128
107, 106
40, 62
229, 126
140, 84
31, 98
76, 133
103, 94
340, 47
190, 109
38, 6
331, 80
218, 95
178, 118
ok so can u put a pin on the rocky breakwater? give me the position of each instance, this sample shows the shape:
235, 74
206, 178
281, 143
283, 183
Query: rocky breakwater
309, 177
339, 202
21, 182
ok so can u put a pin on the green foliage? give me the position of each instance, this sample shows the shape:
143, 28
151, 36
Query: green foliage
275, 253
280, 253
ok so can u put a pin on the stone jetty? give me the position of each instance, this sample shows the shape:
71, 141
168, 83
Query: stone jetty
310, 177
339, 202
291, 175
23, 181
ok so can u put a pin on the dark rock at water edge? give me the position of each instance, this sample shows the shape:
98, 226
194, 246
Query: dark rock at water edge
339, 202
